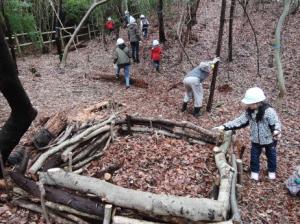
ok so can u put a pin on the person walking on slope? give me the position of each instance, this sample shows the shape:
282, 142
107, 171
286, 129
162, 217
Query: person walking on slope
110, 25
265, 130
122, 60
193, 85
144, 24
156, 54
134, 38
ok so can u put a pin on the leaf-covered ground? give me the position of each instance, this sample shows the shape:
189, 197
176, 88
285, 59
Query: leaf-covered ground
260, 202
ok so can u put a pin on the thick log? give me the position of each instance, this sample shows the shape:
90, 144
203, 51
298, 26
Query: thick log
55, 195
86, 135
194, 209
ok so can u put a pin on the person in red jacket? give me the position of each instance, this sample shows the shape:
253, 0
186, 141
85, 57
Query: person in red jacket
110, 25
156, 54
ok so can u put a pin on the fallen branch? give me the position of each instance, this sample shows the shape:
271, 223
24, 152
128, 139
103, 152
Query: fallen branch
125, 220
194, 209
236, 217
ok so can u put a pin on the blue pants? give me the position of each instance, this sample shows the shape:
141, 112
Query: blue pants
135, 47
256, 150
126, 73
156, 65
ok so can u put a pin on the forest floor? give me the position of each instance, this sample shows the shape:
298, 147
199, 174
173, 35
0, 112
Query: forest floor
260, 202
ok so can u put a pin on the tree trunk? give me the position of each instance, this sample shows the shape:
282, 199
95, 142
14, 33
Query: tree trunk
57, 30
280, 76
218, 52
91, 9
55, 195
162, 35
194, 209
22, 112
232, 8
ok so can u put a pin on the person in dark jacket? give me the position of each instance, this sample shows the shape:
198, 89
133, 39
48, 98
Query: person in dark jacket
122, 60
156, 54
134, 38
265, 130
193, 85
144, 25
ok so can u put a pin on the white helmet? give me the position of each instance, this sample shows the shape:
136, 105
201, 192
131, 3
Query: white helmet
142, 17
205, 66
131, 20
253, 95
109, 18
120, 41
126, 12
155, 43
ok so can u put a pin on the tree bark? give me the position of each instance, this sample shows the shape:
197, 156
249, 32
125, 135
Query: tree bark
66, 50
280, 76
22, 111
57, 30
218, 52
55, 195
231, 16
162, 35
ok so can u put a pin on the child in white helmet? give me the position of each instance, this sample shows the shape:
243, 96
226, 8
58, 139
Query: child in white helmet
193, 85
144, 24
121, 58
156, 54
265, 130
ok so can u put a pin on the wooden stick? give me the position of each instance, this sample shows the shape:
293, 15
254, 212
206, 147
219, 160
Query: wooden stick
240, 170
42, 190
236, 217
107, 214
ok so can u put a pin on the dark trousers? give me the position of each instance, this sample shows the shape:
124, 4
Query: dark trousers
256, 150
135, 47
145, 32
156, 65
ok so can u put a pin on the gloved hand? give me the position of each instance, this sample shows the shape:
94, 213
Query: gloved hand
276, 135
216, 59
219, 128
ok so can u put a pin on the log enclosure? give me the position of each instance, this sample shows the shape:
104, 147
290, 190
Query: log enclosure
93, 140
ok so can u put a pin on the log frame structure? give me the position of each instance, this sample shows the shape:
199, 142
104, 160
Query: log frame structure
165, 208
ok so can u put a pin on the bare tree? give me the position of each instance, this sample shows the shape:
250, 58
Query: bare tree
280, 76
162, 35
22, 111
218, 52
231, 16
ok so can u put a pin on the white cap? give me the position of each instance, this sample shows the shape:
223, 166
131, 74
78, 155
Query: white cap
109, 18
155, 42
120, 41
131, 20
142, 16
126, 12
254, 95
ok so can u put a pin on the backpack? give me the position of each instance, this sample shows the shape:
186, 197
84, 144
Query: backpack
145, 23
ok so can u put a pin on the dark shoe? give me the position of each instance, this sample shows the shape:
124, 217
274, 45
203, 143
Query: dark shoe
127, 87
138, 61
16, 156
184, 107
117, 76
197, 112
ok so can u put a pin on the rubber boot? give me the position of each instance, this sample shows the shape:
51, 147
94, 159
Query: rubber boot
197, 112
16, 156
184, 107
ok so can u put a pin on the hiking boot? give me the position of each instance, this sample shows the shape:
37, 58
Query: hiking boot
16, 156
117, 76
272, 176
197, 112
254, 176
184, 107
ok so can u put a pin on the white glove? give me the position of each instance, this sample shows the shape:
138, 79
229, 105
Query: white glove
219, 128
276, 135
216, 59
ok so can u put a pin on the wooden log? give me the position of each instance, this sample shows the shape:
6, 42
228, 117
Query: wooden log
84, 136
36, 208
83, 204
194, 209
236, 216
54, 126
